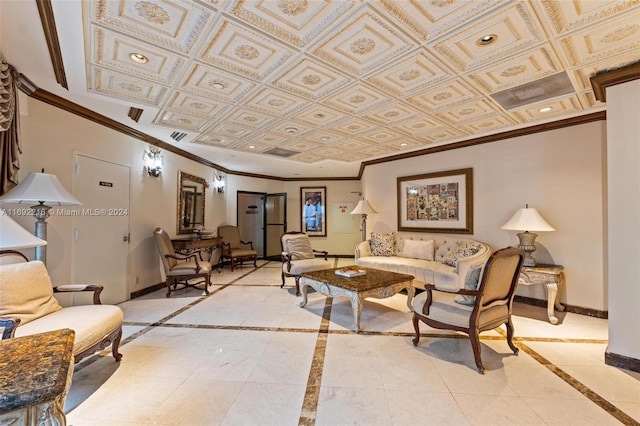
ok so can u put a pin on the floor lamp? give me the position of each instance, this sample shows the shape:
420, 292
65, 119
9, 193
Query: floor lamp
15, 237
40, 188
363, 208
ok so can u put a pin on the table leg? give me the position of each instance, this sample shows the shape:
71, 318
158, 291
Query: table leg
356, 307
552, 292
304, 295
410, 293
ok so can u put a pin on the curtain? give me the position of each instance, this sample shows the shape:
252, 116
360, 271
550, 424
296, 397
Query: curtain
10, 148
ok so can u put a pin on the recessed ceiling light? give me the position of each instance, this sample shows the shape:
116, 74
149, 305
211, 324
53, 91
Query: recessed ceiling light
404, 144
290, 129
545, 109
487, 40
217, 85
325, 138
252, 147
139, 58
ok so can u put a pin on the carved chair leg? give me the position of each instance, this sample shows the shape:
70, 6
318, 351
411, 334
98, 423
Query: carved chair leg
233, 263
475, 345
282, 276
297, 278
416, 327
169, 281
513, 347
255, 259
207, 283
115, 345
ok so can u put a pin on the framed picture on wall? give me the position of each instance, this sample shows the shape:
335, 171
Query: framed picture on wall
314, 219
436, 202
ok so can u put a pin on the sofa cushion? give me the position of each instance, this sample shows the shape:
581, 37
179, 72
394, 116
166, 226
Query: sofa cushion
382, 244
299, 247
471, 282
26, 291
418, 249
91, 324
463, 249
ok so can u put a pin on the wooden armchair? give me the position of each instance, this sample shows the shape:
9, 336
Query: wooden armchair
180, 268
235, 249
298, 257
490, 308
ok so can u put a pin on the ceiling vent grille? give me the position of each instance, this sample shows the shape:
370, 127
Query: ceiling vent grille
539, 90
177, 136
281, 152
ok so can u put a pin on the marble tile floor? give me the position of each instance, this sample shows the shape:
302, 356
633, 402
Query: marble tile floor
249, 355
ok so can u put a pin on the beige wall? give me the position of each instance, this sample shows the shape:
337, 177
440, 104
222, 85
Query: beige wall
559, 172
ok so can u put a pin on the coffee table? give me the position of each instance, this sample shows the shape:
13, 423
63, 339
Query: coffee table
376, 283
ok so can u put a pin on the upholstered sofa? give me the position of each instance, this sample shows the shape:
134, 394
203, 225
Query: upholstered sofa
443, 260
28, 306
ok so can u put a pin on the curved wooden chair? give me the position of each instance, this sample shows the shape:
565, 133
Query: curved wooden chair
180, 268
298, 257
235, 249
490, 309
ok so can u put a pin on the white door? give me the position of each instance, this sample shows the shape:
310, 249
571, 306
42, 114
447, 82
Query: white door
251, 219
101, 230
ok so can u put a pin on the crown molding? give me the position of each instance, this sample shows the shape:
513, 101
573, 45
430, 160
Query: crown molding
45, 9
600, 82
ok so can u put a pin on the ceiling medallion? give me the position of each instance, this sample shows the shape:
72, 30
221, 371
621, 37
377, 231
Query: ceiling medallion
184, 121
130, 87
250, 119
392, 114
311, 79
197, 105
513, 71
357, 99
409, 75
353, 127
292, 7
318, 115
247, 52
362, 46
217, 84
442, 96
467, 111
621, 33
152, 12
487, 40
276, 102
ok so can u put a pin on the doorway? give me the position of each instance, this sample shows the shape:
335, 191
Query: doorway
100, 249
262, 218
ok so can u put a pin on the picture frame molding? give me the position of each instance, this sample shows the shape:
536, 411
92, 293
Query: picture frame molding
322, 191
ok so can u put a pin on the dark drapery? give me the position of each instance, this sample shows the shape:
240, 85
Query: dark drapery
9, 127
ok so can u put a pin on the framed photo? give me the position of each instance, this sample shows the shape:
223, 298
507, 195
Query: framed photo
313, 201
436, 202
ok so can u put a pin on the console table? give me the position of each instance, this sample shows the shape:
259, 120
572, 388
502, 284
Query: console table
551, 276
35, 376
187, 245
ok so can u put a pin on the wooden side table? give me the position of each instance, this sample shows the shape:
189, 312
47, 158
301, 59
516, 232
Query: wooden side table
551, 276
35, 376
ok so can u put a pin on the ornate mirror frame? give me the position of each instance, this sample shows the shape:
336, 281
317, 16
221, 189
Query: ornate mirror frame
191, 202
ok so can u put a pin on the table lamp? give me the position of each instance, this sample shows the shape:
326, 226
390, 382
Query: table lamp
40, 188
527, 219
363, 208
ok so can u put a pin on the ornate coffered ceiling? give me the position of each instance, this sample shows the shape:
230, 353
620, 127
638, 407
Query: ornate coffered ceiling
348, 81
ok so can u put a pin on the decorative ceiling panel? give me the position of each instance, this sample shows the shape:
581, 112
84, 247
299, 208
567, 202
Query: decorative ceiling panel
356, 79
123, 86
173, 25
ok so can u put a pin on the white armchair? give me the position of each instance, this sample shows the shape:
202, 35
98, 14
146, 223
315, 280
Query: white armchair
298, 257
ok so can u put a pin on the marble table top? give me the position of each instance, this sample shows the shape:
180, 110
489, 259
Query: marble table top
33, 369
374, 278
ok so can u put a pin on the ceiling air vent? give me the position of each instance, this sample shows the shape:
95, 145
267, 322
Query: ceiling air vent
280, 152
177, 136
535, 91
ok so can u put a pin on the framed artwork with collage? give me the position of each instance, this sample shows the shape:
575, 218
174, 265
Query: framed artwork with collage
436, 202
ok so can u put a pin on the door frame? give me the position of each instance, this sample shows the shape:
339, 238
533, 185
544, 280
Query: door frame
267, 224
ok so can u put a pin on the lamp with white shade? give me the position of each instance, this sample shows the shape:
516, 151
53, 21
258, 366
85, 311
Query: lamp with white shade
40, 188
363, 208
528, 219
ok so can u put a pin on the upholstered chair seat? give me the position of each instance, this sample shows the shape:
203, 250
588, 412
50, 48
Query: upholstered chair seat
299, 257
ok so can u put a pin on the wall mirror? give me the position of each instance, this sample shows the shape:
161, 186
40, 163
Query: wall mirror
190, 203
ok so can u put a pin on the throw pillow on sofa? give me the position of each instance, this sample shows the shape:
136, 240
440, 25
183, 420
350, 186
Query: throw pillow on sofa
418, 249
382, 244
463, 249
471, 282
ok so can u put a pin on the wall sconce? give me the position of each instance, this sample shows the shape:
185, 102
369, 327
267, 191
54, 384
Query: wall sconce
153, 161
221, 183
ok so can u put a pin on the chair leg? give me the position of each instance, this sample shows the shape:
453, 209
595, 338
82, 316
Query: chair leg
416, 327
297, 278
255, 259
115, 345
169, 282
233, 263
282, 276
207, 283
513, 347
475, 345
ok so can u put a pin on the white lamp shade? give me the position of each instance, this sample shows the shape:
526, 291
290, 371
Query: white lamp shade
40, 187
527, 219
363, 207
14, 236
